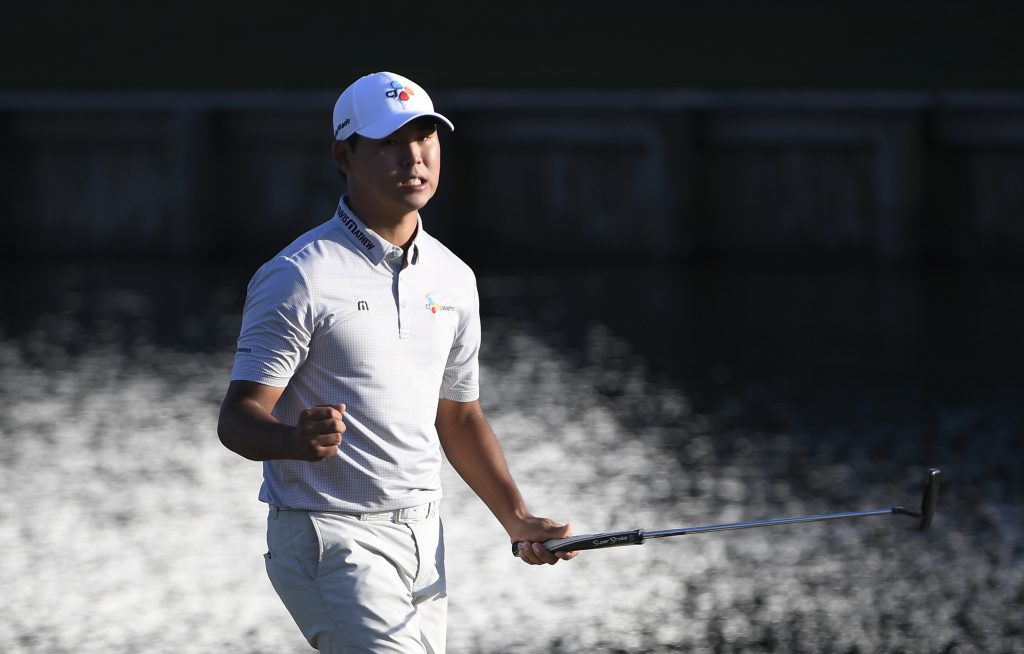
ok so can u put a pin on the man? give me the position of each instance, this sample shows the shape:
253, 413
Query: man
356, 364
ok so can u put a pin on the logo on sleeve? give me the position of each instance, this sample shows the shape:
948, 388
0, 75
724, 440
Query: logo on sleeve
434, 305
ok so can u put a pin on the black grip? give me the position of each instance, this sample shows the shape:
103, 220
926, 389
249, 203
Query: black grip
589, 541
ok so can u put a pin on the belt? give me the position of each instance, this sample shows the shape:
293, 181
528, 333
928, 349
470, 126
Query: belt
410, 514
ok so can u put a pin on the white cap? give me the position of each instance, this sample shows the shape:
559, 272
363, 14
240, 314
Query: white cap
376, 105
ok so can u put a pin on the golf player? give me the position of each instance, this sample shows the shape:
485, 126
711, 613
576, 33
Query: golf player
357, 364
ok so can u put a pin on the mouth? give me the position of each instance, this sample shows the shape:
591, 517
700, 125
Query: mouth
413, 183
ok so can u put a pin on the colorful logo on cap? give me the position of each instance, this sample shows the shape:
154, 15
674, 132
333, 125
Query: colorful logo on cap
398, 90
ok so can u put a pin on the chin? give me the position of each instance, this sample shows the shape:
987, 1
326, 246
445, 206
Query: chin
417, 201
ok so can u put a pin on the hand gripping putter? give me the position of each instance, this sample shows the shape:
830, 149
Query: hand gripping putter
638, 536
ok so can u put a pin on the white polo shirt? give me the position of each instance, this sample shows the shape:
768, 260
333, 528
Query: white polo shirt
334, 318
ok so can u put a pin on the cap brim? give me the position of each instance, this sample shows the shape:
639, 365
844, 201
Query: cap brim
390, 124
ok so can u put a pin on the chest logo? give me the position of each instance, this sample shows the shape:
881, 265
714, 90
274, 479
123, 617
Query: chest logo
435, 306
362, 305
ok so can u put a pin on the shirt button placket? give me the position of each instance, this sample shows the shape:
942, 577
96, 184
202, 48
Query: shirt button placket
403, 296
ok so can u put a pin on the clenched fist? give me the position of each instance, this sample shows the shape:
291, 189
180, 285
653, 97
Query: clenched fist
319, 432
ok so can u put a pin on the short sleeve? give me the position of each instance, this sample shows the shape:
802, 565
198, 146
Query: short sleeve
277, 325
461, 381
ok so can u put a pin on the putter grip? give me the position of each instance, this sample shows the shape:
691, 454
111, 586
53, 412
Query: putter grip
588, 541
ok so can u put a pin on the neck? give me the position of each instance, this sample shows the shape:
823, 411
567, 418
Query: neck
397, 228
400, 234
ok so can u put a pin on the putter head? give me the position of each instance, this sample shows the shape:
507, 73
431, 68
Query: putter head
930, 499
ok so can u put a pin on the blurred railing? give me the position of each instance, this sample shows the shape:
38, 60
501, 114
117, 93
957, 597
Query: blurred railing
533, 176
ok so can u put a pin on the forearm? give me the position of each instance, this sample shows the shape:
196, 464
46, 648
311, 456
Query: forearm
474, 452
247, 428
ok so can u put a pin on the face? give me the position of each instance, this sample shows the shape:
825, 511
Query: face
394, 175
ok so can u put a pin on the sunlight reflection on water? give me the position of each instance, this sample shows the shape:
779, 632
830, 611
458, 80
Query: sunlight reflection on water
127, 527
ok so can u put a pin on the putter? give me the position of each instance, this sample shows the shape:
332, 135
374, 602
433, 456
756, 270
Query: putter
638, 536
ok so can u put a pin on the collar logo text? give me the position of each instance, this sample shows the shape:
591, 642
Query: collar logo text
348, 222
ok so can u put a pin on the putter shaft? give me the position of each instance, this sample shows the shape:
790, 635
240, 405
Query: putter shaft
662, 533
638, 536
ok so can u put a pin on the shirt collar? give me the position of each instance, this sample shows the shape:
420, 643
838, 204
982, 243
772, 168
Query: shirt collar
372, 245
415, 249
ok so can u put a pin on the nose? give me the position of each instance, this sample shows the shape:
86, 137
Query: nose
412, 154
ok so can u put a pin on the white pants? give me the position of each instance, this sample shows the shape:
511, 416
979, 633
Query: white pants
371, 583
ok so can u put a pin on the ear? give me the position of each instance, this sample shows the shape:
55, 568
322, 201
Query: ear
339, 152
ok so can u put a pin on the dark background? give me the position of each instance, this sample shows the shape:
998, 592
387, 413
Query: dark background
722, 132
709, 44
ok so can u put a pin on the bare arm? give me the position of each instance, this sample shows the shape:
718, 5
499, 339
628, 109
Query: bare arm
474, 452
247, 427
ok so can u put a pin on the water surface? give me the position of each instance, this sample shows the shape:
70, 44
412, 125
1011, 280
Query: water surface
623, 398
